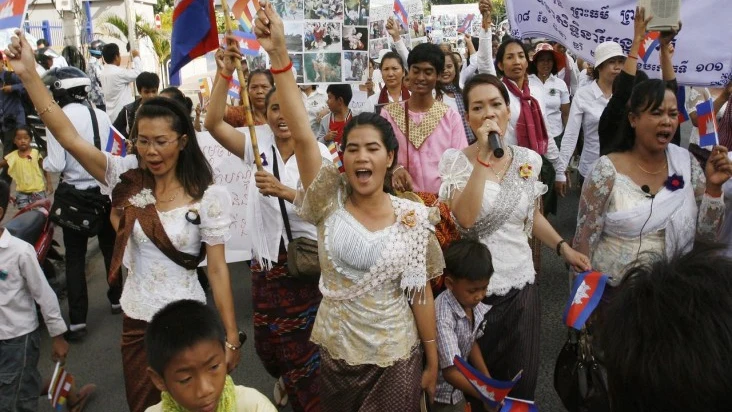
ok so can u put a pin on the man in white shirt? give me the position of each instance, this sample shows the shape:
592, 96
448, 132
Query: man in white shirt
315, 101
116, 81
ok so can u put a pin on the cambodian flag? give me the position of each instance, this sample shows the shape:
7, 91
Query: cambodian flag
116, 144
194, 32
466, 23
336, 155
248, 43
59, 388
401, 14
584, 298
518, 405
652, 40
234, 87
707, 124
491, 391
244, 12
11, 13
681, 104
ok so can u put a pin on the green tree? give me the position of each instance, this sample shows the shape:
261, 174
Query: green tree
162, 6
160, 39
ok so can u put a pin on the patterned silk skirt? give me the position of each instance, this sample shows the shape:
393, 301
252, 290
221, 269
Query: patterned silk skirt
370, 388
284, 312
141, 393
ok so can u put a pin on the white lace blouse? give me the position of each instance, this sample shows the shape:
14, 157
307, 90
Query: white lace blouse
512, 261
153, 280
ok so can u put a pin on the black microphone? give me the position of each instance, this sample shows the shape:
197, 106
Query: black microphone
647, 190
495, 141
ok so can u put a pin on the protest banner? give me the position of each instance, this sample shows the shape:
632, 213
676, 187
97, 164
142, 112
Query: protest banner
699, 58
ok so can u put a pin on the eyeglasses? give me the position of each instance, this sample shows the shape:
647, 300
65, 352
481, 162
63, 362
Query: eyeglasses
144, 144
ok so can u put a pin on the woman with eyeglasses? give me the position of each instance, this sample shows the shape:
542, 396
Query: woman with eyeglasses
167, 213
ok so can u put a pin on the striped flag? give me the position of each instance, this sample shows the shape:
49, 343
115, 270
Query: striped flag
707, 124
194, 32
491, 391
518, 405
11, 13
681, 104
116, 144
650, 42
234, 87
466, 23
401, 14
584, 298
336, 155
248, 43
59, 388
244, 12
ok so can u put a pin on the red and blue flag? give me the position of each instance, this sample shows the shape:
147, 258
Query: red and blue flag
244, 12
466, 23
584, 298
234, 87
248, 43
649, 43
336, 156
116, 144
11, 13
707, 121
518, 405
194, 32
491, 391
681, 104
401, 14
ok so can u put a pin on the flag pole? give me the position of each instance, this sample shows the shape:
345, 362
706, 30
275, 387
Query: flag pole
244, 93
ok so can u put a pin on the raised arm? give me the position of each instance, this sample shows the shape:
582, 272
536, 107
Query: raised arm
270, 32
21, 59
392, 27
224, 133
484, 54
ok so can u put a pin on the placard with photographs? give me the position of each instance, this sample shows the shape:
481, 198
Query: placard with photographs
413, 34
328, 40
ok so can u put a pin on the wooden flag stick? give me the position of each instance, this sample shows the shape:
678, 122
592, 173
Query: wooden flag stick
244, 93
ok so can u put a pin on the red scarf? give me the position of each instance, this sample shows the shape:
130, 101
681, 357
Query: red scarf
530, 128
384, 95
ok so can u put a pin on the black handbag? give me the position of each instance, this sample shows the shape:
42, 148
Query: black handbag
303, 261
579, 379
81, 210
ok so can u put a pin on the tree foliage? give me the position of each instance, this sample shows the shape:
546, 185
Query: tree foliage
117, 28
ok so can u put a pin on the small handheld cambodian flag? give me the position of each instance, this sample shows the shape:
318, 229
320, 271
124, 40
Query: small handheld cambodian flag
707, 121
59, 388
401, 14
248, 43
116, 144
466, 23
681, 104
650, 42
234, 87
518, 405
491, 391
336, 155
12, 13
584, 298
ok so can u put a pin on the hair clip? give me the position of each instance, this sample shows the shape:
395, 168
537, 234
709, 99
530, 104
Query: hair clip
193, 216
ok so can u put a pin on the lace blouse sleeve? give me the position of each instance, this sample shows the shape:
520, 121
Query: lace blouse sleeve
116, 166
454, 169
435, 259
215, 215
321, 197
593, 206
711, 209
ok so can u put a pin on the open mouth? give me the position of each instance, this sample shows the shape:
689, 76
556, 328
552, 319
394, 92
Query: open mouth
363, 175
282, 126
663, 137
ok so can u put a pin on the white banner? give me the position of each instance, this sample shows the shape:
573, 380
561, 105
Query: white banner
232, 173
702, 57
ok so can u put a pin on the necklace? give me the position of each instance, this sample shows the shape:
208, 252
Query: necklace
172, 198
505, 168
652, 173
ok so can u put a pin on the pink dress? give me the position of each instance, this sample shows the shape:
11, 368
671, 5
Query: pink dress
422, 164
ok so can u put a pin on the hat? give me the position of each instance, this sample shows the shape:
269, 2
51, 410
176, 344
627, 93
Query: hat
607, 50
546, 47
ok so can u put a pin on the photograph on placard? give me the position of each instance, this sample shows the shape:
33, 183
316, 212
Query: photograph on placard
297, 66
357, 12
323, 36
355, 38
322, 67
417, 26
293, 36
324, 9
378, 29
257, 62
289, 9
419, 40
375, 46
449, 32
355, 66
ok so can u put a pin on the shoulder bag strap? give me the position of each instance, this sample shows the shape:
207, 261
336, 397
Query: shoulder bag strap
283, 210
95, 125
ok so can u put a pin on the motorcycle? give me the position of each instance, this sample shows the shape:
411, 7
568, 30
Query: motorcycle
33, 225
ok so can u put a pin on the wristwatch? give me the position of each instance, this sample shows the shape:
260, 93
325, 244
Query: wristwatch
242, 339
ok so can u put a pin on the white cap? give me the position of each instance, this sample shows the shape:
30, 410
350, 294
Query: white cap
607, 50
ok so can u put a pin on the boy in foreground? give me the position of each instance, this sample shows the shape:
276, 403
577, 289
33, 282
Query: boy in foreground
187, 358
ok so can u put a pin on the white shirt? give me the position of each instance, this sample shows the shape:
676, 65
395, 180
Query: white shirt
555, 95
24, 286
314, 103
536, 88
116, 85
59, 160
587, 107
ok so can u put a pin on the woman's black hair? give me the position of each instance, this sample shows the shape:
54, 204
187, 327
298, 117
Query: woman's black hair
266, 73
647, 95
427, 53
532, 64
192, 169
392, 55
480, 79
179, 97
387, 138
502, 51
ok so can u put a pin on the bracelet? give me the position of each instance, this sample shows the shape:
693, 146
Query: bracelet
280, 71
48, 109
225, 77
559, 247
632, 57
477, 159
230, 346
427, 341
399, 167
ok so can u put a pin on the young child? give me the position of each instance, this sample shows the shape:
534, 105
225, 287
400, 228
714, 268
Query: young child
460, 314
25, 167
332, 125
22, 285
185, 351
